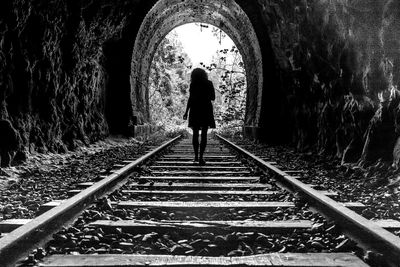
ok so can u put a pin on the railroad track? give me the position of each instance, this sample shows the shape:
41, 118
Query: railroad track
238, 210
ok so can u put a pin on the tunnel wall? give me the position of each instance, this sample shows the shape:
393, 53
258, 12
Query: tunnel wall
338, 63
54, 70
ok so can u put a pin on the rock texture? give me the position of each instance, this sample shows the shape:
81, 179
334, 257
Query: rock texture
8, 142
339, 65
328, 79
53, 71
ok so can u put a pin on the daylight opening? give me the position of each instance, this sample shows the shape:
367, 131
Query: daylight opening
190, 46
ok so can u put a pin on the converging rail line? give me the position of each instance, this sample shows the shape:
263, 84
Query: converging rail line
163, 210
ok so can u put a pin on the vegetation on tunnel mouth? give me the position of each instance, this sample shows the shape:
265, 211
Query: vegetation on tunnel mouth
169, 78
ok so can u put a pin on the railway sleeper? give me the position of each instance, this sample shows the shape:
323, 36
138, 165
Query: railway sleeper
201, 173
272, 259
212, 163
201, 179
199, 168
168, 190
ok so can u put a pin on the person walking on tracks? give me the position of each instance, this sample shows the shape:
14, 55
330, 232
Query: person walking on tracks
200, 109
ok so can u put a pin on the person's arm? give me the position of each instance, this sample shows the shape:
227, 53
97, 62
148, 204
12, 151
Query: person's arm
187, 107
187, 110
212, 91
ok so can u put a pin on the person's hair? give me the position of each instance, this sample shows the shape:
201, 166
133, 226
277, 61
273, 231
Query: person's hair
199, 75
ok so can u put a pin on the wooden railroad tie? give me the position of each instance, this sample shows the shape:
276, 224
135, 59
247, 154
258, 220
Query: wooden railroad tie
199, 168
272, 259
200, 186
201, 193
202, 179
190, 163
209, 205
190, 156
170, 190
201, 173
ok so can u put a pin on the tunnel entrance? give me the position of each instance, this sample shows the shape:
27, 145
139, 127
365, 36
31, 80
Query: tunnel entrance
190, 46
169, 14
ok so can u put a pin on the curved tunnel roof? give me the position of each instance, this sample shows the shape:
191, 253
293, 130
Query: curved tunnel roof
169, 14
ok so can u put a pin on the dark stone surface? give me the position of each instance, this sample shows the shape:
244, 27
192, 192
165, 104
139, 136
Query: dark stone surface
338, 61
118, 108
9, 142
53, 71
327, 69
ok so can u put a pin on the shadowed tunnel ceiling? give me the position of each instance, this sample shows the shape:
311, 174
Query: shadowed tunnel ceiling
169, 14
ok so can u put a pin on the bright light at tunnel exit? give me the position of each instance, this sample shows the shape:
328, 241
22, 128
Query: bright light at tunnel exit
200, 44
196, 43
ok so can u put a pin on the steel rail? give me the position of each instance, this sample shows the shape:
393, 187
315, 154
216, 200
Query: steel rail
369, 234
17, 244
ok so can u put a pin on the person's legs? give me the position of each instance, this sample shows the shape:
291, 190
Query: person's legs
195, 143
203, 144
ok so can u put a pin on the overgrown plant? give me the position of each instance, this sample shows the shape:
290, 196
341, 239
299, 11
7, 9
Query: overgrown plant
228, 68
169, 83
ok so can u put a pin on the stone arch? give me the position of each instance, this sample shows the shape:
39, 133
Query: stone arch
169, 14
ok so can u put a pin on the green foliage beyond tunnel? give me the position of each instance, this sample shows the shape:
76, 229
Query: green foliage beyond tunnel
170, 79
169, 83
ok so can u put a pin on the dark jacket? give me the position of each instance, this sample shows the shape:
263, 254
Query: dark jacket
201, 110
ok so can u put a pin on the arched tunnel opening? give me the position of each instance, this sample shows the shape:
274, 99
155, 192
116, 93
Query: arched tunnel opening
167, 15
185, 48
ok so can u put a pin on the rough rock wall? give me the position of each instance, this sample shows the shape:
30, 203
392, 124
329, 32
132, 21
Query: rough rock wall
65, 66
339, 64
52, 71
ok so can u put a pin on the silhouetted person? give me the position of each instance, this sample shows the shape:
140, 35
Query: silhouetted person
200, 110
